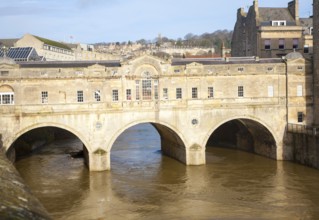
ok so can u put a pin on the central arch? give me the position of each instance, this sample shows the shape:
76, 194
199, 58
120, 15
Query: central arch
245, 134
172, 141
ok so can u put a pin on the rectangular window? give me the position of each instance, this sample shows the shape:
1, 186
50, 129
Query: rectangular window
137, 89
128, 94
115, 95
44, 97
300, 117
299, 90
240, 91
80, 96
156, 89
295, 43
6, 98
194, 93
270, 91
267, 44
97, 95
210, 92
178, 93
281, 44
4, 73
165, 93
147, 89
306, 49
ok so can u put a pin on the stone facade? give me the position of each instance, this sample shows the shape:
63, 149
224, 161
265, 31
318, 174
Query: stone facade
185, 99
271, 32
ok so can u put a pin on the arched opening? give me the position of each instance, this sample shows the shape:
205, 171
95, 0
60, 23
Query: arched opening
32, 142
50, 160
244, 134
147, 141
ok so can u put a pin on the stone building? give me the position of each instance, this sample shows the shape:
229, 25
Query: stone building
271, 32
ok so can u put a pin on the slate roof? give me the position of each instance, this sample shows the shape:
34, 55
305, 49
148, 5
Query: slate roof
68, 64
8, 42
306, 22
276, 14
221, 61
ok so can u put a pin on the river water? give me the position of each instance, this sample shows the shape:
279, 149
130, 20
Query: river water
144, 184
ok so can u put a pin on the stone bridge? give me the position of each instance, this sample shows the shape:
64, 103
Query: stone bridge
188, 101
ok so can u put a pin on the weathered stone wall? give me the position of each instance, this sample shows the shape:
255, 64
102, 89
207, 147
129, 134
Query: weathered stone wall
304, 149
16, 199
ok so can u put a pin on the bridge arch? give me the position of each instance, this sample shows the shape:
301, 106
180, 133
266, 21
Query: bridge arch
244, 133
173, 143
27, 129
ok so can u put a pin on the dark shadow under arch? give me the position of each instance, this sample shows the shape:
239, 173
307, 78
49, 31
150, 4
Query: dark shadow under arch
32, 140
247, 135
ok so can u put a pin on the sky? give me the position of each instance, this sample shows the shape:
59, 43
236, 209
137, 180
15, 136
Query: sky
93, 21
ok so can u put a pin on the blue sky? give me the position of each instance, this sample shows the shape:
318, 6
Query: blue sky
92, 21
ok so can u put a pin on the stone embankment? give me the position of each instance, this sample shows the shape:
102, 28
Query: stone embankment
16, 199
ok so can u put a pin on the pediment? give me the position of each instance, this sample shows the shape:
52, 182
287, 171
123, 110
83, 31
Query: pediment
8, 66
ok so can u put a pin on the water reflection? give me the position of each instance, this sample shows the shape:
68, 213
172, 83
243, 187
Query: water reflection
143, 184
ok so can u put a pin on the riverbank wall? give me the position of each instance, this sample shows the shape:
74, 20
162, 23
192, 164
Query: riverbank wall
16, 199
305, 149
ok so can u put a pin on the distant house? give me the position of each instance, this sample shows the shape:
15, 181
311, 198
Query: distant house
51, 50
271, 32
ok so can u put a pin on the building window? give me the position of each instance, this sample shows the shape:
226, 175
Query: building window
311, 30
267, 44
278, 23
44, 97
281, 44
137, 89
7, 98
240, 91
178, 93
300, 117
240, 69
80, 96
270, 91
210, 92
128, 94
194, 93
97, 95
177, 70
156, 89
165, 93
306, 49
147, 89
295, 43
4, 73
115, 95
299, 90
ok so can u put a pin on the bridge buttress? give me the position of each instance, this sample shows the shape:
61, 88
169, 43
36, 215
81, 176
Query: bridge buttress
99, 160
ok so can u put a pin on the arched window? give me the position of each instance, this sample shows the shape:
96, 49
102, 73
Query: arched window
6, 95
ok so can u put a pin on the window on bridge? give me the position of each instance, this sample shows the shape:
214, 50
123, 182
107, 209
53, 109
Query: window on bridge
155, 89
80, 96
6, 95
137, 89
210, 92
44, 97
115, 95
299, 90
128, 94
178, 93
270, 91
240, 91
194, 93
300, 117
165, 93
97, 95
147, 89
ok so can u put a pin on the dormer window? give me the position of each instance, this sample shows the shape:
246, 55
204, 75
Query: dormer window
278, 23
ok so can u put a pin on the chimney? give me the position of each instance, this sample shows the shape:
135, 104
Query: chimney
293, 8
